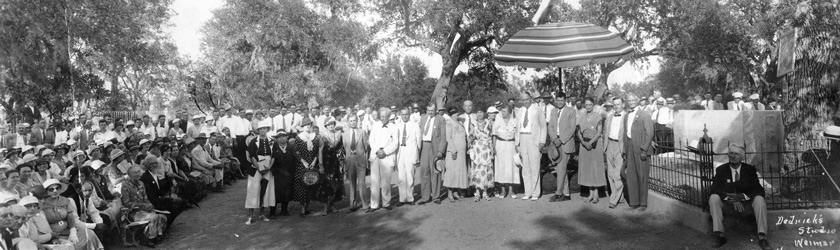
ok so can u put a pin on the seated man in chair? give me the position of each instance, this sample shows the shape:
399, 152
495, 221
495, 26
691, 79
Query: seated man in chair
736, 186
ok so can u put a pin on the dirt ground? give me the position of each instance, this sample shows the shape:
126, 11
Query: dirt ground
496, 224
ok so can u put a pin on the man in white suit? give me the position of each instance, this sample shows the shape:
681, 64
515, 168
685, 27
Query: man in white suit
530, 139
383, 146
408, 156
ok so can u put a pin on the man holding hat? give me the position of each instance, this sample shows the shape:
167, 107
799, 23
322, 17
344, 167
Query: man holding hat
737, 103
561, 132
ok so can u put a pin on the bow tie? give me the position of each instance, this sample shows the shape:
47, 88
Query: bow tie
617, 114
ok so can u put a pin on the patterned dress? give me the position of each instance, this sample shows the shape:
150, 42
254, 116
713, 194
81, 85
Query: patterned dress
333, 147
481, 153
304, 194
133, 192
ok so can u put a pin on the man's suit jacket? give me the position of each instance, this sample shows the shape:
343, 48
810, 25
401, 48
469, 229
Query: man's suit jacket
153, 191
607, 127
747, 184
36, 137
28, 115
438, 128
10, 140
49, 136
567, 129
641, 132
361, 142
536, 123
412, 140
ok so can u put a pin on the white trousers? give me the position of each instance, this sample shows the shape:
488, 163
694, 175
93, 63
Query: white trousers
405, 174
615, 162
531, 155
380, 183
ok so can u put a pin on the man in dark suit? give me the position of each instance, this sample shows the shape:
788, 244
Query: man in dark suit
355, 162
638, 135
737, 183
156, 193
561, 131
432, 148
38, 132
30, 113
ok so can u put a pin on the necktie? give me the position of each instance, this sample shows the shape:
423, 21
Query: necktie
403, 135
737, 176
353, 141
7, 237
525, 123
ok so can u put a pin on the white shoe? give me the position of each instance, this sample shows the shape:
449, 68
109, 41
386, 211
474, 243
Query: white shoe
513, 196
535, 198
526, 198
249, 221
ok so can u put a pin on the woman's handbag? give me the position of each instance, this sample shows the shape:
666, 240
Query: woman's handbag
310, 177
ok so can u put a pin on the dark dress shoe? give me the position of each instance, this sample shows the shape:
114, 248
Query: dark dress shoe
719, 240
566, 198
389, 208
410, 203
437, 202
399, 204
353, 209
631, 208
612, 206
422, 202
554, 198
642, 208
764, 244
371, 210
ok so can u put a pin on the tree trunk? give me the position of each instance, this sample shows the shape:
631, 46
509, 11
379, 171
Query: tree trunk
450, 63
114, 89
601, 87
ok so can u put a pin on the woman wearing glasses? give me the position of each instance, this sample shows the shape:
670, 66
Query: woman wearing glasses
63, 218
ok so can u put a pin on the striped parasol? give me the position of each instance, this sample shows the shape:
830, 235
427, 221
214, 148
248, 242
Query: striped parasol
563, 45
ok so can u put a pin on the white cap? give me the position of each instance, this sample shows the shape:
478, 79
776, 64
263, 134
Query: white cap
832, 133
492, 109
265, 123
737, 95
129, 123
754, 97
198, 116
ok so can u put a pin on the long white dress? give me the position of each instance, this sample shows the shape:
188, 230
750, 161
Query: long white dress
505, 132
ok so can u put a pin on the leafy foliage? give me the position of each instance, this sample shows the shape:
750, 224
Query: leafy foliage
57, 52
261, 53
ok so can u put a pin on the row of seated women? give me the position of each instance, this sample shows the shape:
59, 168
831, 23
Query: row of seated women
94, 202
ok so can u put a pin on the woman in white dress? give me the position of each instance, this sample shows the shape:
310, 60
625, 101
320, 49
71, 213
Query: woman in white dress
507, 173
260, 188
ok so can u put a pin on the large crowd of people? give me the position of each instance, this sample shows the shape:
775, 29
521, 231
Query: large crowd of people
72, 181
